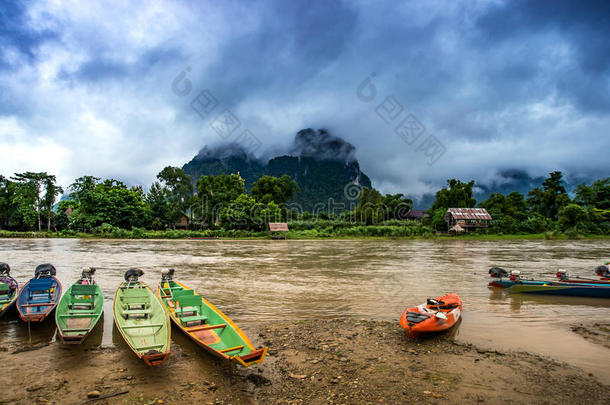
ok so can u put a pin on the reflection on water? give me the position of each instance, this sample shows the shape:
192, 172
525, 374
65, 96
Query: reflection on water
259, 281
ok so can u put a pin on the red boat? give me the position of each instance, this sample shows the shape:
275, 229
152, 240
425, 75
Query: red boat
435, 315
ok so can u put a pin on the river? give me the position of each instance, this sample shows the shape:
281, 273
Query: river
261, 281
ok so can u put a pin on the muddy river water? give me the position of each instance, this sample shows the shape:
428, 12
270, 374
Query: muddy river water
261, 281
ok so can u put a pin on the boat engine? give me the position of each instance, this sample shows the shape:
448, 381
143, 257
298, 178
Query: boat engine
497, 272
132, 275
515, 275
45, 270
167, 275
5, 269
87, 273
562, 274
602, 271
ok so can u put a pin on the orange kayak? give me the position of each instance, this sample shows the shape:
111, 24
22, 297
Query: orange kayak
435, 315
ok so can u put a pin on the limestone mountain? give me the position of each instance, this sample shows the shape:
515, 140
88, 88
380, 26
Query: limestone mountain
324, 166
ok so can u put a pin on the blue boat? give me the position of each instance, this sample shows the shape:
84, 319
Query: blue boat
572, 290
39, 297
515, 284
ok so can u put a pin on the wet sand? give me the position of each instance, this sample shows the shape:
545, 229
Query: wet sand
342, 361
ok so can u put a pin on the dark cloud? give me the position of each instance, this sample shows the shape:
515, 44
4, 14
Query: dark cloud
585, 28
512, 85
16, 34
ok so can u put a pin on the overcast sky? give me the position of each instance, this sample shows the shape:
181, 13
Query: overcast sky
92, 88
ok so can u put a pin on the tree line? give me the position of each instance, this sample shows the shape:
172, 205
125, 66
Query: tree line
174, 200
28, 200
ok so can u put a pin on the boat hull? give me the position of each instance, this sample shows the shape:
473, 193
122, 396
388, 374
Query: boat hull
74, 324
219, 333
143, 323
565, 290
34, 310
5, 307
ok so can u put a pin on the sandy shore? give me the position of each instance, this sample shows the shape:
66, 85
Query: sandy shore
310, 362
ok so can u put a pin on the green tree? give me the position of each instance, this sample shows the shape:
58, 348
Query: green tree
597, 195
52, 191
38, 181
158, 201
242, 213
216, 193
370, 208
572, 216
396, 206
551, 198
457, 195
179, 191
109, 202
279, 190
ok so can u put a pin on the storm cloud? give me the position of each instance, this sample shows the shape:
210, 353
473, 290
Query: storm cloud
498, 86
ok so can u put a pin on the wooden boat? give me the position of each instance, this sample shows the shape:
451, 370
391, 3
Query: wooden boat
141, 319
79, 309
39, 296
205, 324
573, 290
435, 315
515, 279
9, 289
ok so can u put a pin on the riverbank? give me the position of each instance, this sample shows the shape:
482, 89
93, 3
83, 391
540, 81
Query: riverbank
310, 362
292, 235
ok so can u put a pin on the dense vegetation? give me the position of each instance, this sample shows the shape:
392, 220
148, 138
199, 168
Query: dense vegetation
219, 206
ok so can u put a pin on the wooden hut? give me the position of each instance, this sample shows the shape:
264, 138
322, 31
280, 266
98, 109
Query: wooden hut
467, 218
278, 230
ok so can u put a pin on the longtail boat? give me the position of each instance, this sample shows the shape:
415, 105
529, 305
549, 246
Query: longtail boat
79, 309
436, 315
205, 324
9, 289
573, 290
141, 319
39, 296
515, 284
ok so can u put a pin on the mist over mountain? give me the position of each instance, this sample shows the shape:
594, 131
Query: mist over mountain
322, 164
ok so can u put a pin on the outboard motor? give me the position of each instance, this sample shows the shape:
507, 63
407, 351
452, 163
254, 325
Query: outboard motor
87, 275
562, 274
497, 272
167, 275
132, 275
602, 271
45, 270
5, 270
515, 275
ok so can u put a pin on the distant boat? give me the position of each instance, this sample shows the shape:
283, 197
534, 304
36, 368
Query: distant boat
80, 309
39, 297
205, 324
9, 289
573, 290
141, 319
515, 284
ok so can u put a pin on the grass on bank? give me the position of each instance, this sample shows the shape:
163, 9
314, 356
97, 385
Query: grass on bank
373, 232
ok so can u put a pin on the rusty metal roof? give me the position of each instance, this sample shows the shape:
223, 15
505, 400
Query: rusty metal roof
469, 213
278, 226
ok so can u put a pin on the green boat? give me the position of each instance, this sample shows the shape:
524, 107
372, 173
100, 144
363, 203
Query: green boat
79, 309
205, 324
141, 319
8, 289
